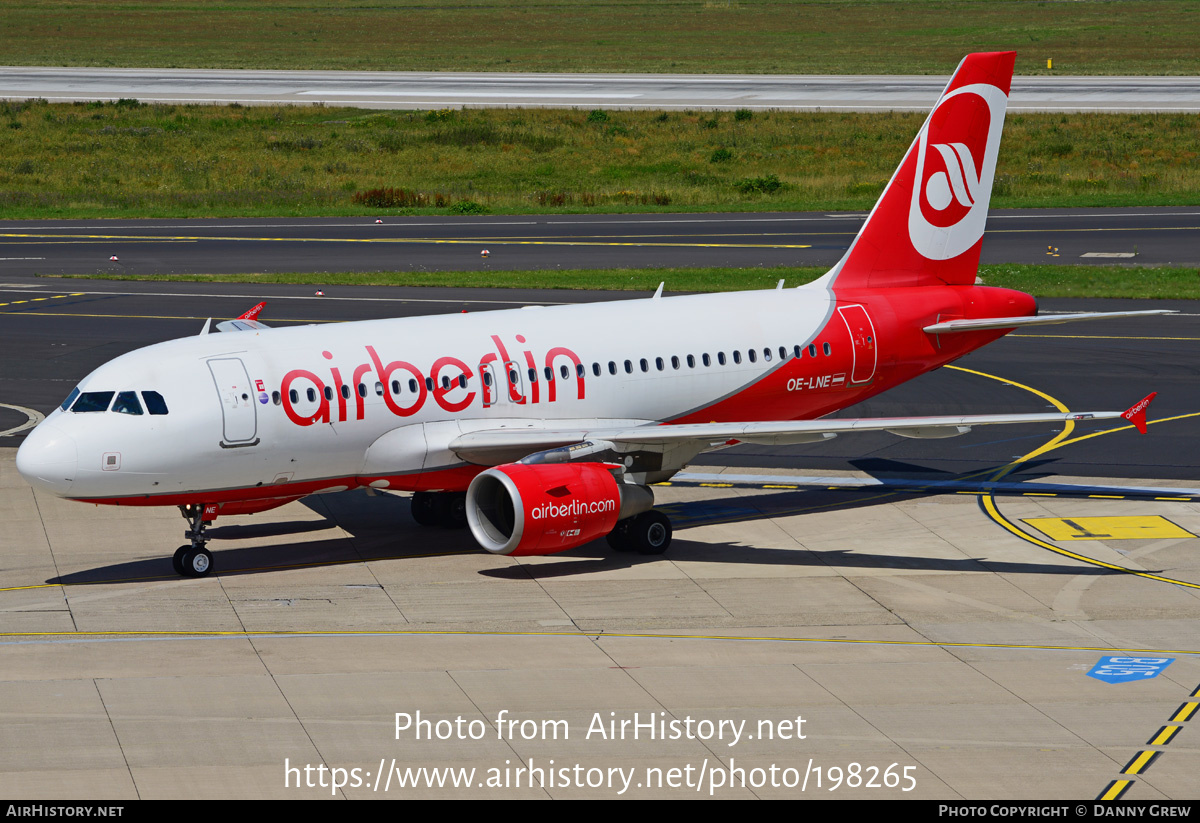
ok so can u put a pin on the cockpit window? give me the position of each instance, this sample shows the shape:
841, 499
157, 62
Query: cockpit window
127, 403
154, 402
93, 401
66, 404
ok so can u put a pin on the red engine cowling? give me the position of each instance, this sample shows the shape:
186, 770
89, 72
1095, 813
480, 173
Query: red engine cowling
521, 509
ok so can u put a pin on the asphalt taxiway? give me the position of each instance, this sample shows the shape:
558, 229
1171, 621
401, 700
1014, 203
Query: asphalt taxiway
1140, 236
930, 610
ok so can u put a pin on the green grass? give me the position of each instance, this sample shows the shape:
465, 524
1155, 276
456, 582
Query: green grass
1039, 280
129, 160
683, 36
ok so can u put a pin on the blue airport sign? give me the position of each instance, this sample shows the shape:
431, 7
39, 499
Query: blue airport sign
1126, 669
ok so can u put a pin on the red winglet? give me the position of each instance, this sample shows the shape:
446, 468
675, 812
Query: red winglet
253, 313
1136, 414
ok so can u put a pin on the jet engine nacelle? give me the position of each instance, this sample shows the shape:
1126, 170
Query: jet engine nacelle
521, 509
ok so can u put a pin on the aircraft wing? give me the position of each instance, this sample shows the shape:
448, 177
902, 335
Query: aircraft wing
477, 446
247, 321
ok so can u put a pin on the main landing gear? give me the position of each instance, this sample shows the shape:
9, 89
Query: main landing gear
646, 533
445, 509
194, 560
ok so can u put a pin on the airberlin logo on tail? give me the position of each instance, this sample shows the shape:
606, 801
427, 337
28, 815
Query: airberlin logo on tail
959, 182
956, 162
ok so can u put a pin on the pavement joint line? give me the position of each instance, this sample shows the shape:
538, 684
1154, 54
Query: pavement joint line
1143, 759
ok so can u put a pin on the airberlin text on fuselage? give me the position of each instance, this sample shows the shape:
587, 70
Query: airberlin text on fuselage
442, 383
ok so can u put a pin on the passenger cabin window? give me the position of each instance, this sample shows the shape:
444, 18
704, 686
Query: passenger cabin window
826, 349
752, 355
628, 367
691, 361
812, 349
596, 369
737, 357
721, 357
645, 365
706, 359
93, 401
612, 367
127, 403
155, 403
276, 398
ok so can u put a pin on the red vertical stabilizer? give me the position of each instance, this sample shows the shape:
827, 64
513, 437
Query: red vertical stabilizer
927, 227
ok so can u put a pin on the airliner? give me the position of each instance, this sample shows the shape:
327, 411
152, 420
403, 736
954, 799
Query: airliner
544, 428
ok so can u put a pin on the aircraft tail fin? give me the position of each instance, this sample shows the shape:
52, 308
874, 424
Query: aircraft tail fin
927, 228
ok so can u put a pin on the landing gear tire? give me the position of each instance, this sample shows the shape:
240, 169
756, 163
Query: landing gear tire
445, 509
177, 560
618, 539
193, 560
650, 532
452, 511
196, 562
424, 508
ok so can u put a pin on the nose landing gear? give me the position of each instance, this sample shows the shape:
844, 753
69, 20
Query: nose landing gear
193, 559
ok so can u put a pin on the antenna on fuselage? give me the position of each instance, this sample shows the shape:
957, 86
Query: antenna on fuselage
658, 291
204, 330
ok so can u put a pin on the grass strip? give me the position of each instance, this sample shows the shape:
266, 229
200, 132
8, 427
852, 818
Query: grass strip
675, 36
126, 159
1150, 282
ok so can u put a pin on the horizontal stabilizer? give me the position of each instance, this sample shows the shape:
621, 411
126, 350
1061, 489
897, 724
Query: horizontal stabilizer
954, 326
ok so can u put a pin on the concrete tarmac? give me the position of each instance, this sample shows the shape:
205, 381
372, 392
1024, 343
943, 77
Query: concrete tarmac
436, 90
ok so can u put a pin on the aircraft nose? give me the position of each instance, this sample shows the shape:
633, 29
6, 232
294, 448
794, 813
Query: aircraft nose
48, 459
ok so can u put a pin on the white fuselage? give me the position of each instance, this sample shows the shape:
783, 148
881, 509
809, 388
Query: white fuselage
285, 407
